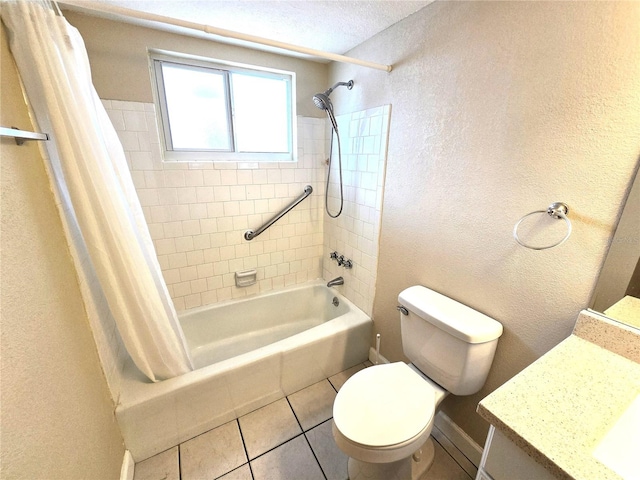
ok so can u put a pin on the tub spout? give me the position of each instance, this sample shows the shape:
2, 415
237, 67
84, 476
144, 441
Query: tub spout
336, 281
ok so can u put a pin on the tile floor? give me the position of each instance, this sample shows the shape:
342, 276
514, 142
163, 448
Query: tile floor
289, 439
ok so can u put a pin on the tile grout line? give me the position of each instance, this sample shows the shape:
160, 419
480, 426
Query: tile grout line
314, 455
277, 446
272, 448
333, 386
304, 434
246, 452
233, 470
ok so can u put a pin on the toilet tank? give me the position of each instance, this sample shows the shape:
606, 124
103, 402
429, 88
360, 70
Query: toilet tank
449, 342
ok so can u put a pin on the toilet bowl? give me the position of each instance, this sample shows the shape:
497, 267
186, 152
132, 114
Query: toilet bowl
382, 416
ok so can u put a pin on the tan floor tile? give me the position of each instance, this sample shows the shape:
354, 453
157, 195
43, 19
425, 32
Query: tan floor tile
338, 379
331, 458
444, 467
242, 473
163, 466
291, 461
213, 453
313, 405
268, 427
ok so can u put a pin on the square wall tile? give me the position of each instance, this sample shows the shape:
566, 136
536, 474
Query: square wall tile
197, 192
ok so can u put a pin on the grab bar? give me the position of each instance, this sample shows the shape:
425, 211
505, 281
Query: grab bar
251, 234
22, 135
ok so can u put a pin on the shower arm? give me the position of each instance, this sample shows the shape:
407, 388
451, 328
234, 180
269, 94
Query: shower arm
348, 84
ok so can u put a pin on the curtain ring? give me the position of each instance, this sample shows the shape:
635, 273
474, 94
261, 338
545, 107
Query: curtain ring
557, 210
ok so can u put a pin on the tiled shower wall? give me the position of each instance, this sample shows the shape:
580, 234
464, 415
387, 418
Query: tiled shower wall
197, 214
355, 232
198, 211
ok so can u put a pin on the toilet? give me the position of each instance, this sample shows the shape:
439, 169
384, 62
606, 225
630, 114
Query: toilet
383, 415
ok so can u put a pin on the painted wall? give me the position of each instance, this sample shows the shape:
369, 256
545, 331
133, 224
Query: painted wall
499, 109
120, 66
57, 415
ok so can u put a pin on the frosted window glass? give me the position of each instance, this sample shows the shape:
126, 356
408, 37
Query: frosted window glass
196, 107
261, 113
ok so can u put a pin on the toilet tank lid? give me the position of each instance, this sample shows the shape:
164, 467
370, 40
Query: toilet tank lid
451, 316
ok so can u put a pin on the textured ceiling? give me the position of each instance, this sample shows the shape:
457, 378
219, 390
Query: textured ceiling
333, 26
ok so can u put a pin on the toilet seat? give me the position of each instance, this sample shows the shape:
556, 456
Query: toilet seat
384, 407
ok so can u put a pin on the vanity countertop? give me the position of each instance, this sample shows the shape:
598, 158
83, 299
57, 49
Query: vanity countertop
626, 310
559, 408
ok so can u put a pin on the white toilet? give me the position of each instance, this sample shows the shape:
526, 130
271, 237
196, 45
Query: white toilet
383, 415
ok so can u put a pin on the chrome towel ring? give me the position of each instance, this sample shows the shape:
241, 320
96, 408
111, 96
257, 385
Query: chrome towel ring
557, 210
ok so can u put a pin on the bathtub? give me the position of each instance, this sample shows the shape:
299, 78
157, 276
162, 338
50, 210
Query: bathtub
247, 354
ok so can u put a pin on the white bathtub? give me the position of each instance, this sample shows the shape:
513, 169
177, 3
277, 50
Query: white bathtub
248, 353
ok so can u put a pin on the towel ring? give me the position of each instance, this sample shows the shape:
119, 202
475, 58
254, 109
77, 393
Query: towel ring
557, 210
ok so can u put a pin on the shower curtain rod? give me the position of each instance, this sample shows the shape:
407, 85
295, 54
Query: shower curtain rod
22, 135
127, 12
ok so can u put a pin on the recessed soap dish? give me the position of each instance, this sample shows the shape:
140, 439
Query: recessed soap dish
246, 278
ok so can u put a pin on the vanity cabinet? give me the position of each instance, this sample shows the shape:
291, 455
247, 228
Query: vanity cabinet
503, 460
559, 408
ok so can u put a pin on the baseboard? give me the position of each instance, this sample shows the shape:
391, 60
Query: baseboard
128, 466
457, 443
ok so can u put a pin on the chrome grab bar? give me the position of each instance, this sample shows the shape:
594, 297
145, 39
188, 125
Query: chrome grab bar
251, 234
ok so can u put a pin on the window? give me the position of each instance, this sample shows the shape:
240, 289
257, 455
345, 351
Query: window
214, 111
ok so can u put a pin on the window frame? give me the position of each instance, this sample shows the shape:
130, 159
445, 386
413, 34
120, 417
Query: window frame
156, 58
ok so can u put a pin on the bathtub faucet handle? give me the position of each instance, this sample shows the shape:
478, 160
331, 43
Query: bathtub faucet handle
333, 255
341, 260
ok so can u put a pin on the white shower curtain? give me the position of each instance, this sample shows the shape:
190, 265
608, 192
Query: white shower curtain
91, 177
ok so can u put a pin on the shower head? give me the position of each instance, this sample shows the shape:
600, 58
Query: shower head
322, 101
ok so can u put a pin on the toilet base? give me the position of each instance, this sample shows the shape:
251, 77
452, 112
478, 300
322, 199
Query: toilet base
410, 468
400, 470
422, 460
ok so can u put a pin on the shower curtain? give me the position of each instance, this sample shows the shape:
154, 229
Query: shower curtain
90, 175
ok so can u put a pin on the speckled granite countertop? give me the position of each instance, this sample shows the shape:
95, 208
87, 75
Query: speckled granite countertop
559, 408
626, 310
